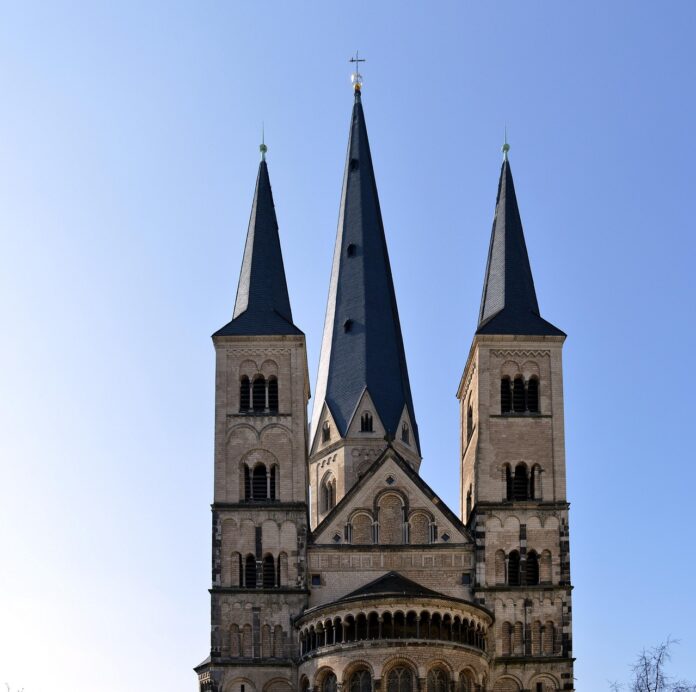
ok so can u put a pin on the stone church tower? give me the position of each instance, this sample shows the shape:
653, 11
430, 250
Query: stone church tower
335, 567
513, 483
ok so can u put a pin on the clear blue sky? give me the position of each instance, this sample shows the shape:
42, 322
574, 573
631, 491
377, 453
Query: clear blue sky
128, 151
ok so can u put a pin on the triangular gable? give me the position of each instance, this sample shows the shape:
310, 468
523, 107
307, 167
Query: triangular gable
366, 405
408, 445
325, 417
390, 471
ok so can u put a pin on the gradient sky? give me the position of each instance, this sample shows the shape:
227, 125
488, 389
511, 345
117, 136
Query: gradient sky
129, 140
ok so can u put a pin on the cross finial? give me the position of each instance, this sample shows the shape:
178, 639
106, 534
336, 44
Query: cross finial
506, 147
262, 147
356, 77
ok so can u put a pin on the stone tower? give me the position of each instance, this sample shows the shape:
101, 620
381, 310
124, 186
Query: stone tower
363, 398
260, 508
513, 483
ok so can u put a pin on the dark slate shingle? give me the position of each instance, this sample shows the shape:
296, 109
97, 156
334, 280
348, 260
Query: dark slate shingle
509, 303
262, 306
370, 354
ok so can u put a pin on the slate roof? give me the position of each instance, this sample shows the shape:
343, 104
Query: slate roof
509, 303
391, 584
262, 306
362, 346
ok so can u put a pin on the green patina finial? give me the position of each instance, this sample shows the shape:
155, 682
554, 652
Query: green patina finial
262, 147
506, 147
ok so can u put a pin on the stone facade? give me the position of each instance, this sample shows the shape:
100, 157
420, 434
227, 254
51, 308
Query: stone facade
334, 565
283, 634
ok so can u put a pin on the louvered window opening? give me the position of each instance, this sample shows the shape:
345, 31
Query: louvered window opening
519, 396
366, 423
260, 483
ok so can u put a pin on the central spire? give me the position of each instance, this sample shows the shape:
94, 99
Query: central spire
362, 348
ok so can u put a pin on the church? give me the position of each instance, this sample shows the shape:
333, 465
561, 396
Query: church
335, 567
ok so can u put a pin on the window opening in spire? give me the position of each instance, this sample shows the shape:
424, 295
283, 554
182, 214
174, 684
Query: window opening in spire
366, 422
405, 434
325, 432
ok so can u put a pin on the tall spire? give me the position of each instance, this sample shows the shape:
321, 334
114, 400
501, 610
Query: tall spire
262, 306
509, 303
362, 348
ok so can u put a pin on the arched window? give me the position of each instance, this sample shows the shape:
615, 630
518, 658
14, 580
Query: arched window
514, 568
468, 502
250, 572
438, 680
329, 683
259, 483
533, 395
259, 393
244, 394
469, 422
269, 572
505, 395
328, 493
405, 434
325, 432
518, 396
400, 679
531, 568
520, 484
360, 681
467, 682
366, 422
273, 394
304, 685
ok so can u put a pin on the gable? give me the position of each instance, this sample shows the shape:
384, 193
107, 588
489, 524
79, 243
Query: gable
390, 505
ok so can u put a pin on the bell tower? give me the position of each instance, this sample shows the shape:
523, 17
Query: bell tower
513, 481
260, 480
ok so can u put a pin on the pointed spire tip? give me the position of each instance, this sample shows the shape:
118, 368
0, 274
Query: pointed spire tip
262, 147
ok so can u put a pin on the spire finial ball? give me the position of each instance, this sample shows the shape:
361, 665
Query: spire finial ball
263, 149
505, 149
